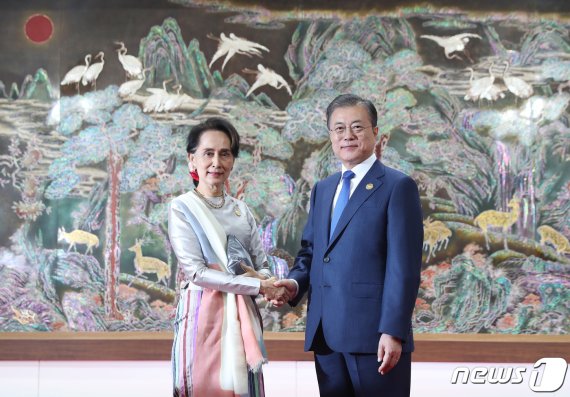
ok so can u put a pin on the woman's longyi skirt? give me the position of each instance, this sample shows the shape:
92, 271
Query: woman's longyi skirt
195, 364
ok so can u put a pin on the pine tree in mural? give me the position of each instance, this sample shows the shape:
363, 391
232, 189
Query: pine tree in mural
127, 142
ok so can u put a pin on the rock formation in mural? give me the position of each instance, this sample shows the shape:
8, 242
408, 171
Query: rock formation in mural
476, 110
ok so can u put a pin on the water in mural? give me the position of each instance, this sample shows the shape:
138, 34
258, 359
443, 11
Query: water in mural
476, 108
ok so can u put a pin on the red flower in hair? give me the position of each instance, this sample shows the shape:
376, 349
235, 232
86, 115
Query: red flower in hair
194, 175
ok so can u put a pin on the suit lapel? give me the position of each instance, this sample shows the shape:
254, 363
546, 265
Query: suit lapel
368, 185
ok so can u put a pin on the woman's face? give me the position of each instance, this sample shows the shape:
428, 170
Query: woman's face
213, 158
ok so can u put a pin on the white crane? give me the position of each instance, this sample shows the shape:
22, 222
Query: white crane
76, 73
174, 101
517, 86
453, 44
266, 76
247, 45
93, 71
483, 88
155, 102
492, 92
132, 86
132, 65
234, 45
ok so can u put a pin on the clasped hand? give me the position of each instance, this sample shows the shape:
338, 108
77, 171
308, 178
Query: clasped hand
277, 295
272, 293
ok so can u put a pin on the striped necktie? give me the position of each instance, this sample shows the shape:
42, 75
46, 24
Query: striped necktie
342, 199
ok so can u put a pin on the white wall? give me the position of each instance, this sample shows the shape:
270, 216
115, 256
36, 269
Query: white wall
282, 378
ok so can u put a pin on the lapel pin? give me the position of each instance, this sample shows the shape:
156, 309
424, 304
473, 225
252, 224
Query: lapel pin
369, 186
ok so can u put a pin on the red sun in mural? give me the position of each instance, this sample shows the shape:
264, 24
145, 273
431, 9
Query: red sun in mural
39, 28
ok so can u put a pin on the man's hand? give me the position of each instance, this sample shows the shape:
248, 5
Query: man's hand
389, 351
271, 293
291, 291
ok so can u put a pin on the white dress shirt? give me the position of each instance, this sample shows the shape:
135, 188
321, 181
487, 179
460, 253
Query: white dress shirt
359, 171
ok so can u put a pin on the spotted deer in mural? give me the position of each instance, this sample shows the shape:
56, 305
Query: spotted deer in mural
78, 237
504, 220
147, 264
556, 239
436, 236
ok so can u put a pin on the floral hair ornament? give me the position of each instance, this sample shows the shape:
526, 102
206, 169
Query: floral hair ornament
194, 175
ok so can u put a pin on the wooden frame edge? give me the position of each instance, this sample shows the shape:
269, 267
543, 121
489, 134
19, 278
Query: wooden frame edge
281, 346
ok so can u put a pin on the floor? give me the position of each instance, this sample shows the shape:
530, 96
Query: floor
283, 379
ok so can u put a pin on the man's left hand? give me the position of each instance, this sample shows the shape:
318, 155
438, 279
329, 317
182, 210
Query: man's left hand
389, 351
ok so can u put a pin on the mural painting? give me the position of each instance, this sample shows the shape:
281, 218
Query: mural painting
95, 105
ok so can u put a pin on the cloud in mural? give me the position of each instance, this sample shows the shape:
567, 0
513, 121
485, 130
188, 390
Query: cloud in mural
506, 125
543, 109
555, 69
522, 124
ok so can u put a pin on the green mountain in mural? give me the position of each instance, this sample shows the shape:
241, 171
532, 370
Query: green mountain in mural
33, 87
164, 51
37, 87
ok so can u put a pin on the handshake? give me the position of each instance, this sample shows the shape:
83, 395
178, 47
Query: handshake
277, 292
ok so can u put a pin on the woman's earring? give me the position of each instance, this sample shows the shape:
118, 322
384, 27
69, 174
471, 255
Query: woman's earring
193, 172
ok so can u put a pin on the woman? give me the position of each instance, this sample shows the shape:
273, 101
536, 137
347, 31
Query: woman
218, 348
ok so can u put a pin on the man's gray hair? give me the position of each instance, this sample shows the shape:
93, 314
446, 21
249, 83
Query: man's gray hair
348, 100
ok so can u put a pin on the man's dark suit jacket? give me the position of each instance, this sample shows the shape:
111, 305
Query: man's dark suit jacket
365, 280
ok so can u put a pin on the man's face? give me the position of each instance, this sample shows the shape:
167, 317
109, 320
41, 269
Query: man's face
352, 135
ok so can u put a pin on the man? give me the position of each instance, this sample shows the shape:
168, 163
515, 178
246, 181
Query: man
359, 261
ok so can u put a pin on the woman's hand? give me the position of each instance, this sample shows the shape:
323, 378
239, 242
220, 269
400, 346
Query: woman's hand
271, 293
267, 288
251, 272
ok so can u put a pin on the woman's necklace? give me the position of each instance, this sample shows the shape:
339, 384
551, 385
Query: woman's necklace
209, 203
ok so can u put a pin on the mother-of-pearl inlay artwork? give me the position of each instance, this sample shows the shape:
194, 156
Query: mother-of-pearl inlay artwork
96, 102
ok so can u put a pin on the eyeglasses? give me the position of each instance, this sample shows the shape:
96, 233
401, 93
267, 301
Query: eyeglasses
356, 129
